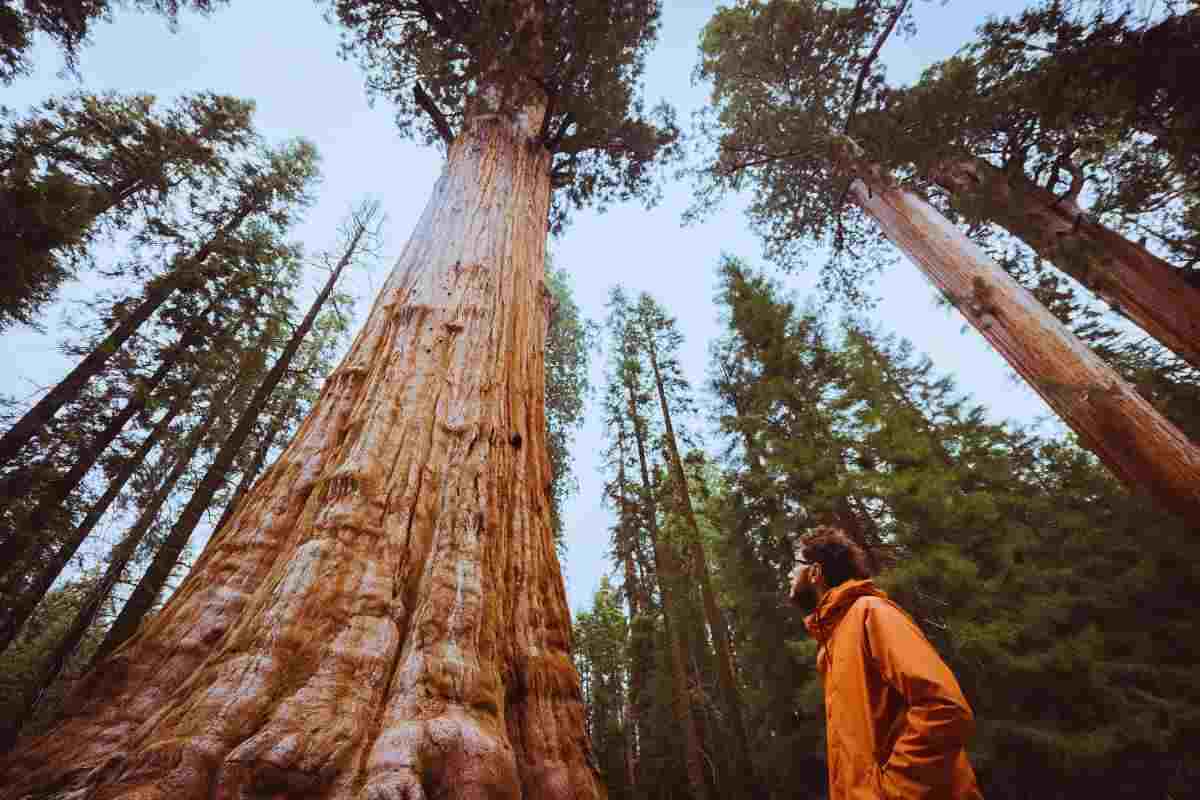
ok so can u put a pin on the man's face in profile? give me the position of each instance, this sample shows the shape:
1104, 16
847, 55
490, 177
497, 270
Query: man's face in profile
803, 592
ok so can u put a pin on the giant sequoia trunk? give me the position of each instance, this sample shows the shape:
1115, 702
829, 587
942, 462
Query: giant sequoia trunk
383, 616
1138, 284
1137, 443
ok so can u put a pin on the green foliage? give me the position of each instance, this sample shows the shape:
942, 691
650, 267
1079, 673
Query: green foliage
586, 66
783, 77
1060, 600
570, 341
19, 663
601, 656
79, 167
67, 23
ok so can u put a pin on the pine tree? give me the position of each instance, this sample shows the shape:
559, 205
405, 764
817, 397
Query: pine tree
267, 189
67, 23
599, 639
1056, 595
810, 155
79, 168
658, 341
627, 417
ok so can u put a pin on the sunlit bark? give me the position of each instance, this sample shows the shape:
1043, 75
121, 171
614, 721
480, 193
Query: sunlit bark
1129, 435
1147, 290
383, 616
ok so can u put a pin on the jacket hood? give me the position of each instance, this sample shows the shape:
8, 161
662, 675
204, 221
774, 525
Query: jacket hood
835, 604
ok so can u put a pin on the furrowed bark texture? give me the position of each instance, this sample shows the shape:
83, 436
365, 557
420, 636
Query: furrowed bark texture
383, 617
1147, 290
1129, 435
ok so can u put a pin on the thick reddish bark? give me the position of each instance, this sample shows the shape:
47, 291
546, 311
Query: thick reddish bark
383, 616
1138, 284
1129, 435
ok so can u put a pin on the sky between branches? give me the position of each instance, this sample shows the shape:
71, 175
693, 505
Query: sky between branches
283, 55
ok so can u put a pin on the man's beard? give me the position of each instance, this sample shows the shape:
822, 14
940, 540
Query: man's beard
804, 597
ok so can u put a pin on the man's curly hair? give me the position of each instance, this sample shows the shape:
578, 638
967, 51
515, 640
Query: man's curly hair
840, 557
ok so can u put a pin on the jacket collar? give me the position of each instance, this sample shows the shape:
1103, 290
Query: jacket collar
834, 605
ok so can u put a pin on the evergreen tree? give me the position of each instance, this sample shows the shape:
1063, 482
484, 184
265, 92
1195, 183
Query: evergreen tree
67, 23
599, 639
628, 419
803, 168
570, 340
268, 189
83, 166
1015, 553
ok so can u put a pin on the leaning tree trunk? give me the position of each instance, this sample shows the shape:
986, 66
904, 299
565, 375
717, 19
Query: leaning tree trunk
625, 544
50, 499
50, 667
668, 571
1144, 288
26, 595
157, 292
383, 616
718, 629
1129, 435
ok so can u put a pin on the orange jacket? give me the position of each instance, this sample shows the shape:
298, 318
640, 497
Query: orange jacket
897, 721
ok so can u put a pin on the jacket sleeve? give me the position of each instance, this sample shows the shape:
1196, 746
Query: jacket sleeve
938, 721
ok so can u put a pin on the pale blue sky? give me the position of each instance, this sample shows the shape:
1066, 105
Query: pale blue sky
283, 55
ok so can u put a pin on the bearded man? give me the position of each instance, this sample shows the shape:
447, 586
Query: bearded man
897, 723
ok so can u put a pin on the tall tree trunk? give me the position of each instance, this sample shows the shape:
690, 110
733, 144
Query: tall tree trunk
166, 558
1138, 284
53, 496
51, 667
384, 615
1143, 449
668, 571
157, 292
26, 597
625, 547
718, 629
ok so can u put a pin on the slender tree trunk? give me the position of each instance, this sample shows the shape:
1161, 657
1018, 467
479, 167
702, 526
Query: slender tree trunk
1129, 435
51, 667
257, 463
633, 697
26, 597
668, 571
718, 629
384, 615
53, 496
166, 558
157, 291
1138, 284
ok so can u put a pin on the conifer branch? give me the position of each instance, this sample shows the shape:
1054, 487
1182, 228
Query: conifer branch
866, 67
435, 114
